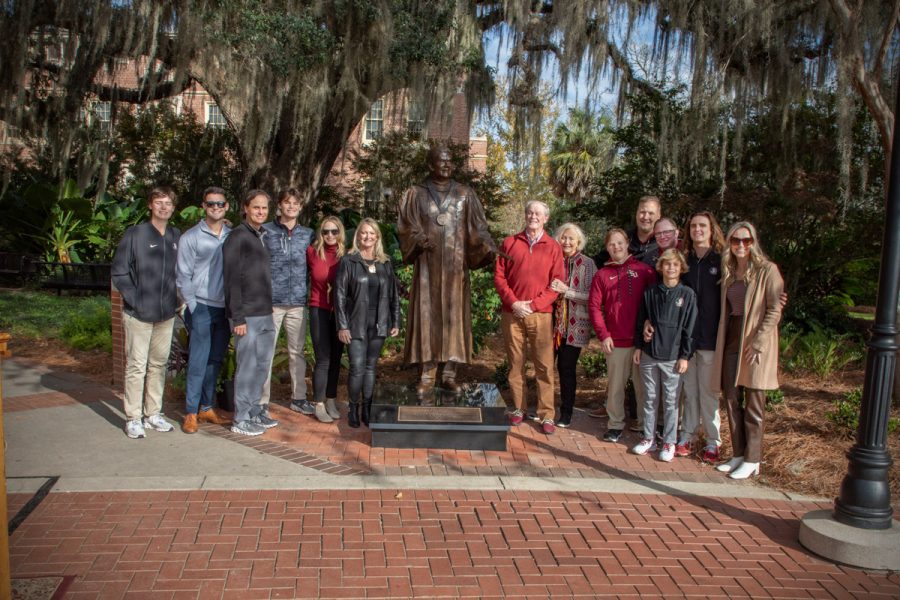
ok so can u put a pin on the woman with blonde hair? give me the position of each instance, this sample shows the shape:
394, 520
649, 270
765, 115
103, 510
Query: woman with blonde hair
746, 358
572, 322
367, 310
322, 259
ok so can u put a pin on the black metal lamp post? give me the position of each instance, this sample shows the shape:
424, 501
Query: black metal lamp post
865, 498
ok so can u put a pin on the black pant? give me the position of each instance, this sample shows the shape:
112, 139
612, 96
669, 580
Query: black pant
566, 361
364, 354
328, 349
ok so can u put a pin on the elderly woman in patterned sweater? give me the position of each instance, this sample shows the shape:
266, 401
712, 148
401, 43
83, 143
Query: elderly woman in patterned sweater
572, 320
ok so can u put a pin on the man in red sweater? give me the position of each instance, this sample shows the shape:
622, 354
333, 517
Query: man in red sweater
613, 304
528, 262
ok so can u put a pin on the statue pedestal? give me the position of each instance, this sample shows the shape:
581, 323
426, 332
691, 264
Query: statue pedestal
472, 419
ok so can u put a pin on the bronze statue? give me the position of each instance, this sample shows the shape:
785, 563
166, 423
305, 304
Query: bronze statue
443, 233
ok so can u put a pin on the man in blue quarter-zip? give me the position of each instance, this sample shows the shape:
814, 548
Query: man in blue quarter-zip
200, 282
287, 241
143, 271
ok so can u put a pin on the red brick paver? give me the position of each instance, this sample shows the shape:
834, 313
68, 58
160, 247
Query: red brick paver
577, 452
429, 544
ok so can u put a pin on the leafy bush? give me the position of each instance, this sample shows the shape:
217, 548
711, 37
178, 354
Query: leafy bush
822, 351
501, 375
846, 413
594, 365
90, 326
774, 399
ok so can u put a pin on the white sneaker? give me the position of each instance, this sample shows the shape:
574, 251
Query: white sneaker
667, 453
134, 429
158, 422
643, 447
322, 413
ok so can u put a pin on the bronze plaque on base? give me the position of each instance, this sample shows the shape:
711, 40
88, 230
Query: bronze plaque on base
438, 414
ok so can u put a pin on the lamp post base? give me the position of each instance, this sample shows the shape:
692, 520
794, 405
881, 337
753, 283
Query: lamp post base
865, 548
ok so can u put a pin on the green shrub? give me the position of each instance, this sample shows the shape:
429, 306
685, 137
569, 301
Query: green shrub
501, 375
846, 413
594, 365
774, 399
822, 351
90, 326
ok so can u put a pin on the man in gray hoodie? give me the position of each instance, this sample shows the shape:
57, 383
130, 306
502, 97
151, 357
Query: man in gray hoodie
200, 282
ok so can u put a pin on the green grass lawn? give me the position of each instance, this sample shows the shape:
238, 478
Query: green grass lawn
82, 322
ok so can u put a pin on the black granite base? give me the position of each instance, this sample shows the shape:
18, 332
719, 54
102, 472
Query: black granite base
473, 419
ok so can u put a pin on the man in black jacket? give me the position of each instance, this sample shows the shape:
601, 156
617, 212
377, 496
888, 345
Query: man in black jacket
248, 304
143, 271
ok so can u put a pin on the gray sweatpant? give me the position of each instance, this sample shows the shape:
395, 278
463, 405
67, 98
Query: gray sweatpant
254, 361
662, 385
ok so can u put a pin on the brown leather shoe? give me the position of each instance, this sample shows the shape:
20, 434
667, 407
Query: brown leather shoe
214, 416
190, 423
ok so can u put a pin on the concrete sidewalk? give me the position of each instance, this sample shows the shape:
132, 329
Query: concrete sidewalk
311, 510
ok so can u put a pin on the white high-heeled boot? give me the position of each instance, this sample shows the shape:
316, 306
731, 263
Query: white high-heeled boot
745, 470
731, 465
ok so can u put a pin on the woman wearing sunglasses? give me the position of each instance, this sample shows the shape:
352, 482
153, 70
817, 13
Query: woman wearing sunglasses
322, 258
746, 359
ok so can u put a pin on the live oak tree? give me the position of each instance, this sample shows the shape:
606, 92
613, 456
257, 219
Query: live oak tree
293, 78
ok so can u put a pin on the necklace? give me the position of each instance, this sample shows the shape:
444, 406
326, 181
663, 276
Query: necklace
443, 217
370, 263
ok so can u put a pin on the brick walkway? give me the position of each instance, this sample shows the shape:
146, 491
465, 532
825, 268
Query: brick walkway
577, 452
431, 544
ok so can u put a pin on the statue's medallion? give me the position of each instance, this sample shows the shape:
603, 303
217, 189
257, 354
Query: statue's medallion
443, 219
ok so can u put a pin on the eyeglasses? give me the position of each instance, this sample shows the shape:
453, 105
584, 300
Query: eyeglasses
330, 231
215, 204
745, 242
665, 233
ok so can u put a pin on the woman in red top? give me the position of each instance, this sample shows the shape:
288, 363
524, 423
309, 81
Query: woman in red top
322, 258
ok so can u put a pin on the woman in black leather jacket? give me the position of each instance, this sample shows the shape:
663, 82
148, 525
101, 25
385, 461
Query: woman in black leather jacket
367, 310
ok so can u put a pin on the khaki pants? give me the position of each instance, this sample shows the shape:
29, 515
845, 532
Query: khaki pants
532, 334
294, 319
618, 368
700, 402
147, 347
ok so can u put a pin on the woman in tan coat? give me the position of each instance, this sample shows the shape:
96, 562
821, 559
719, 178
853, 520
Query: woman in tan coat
746, 359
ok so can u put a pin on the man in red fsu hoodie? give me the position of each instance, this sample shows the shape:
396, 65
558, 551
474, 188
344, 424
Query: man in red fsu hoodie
529, 261
613, 304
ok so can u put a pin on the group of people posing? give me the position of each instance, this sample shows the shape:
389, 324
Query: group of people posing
699, 314
251, 280
685, 319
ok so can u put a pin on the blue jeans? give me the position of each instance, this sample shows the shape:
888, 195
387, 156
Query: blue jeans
209, 334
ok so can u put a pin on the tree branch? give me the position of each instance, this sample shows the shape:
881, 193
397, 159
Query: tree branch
621, 62
885, 41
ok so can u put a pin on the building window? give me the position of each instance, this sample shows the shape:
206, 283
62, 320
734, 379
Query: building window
214, 116
415, 120
374, 123
103, 115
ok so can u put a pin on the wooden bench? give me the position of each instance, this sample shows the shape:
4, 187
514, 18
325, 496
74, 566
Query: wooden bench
16, 264
74, 276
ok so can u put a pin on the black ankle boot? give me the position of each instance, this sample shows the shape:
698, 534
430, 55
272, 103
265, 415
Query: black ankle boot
366, 411
353, 415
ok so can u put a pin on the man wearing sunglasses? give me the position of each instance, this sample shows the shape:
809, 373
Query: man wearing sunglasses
200, 279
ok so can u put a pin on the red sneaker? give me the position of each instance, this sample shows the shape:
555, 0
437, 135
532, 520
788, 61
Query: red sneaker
711, 454
683, 449
516, 417
548, 427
